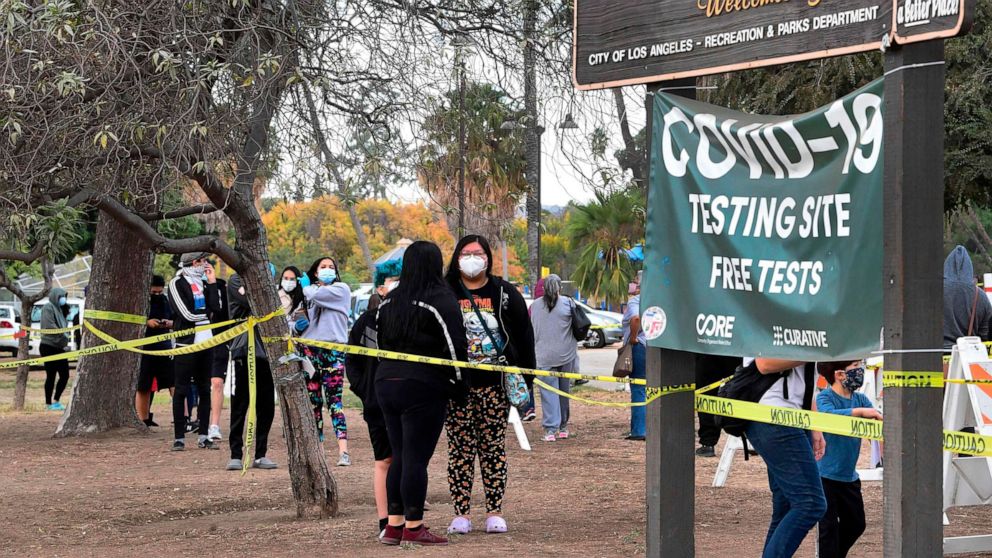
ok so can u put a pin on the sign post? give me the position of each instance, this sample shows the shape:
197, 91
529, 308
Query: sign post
913, 295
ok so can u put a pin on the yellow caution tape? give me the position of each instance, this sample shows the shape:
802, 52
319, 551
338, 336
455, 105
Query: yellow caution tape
651, 392
605, 326
106, 337
114, 316
892, 378
714, 385
250, 428
392, 355
50, 331
958, 442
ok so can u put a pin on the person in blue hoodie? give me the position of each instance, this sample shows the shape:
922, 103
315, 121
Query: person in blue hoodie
967, 310
53, 317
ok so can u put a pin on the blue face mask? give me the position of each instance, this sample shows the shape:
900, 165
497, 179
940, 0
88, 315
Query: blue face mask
327, 275
62, 301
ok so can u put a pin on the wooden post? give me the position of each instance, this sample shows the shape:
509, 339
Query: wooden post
670, 478
913, 295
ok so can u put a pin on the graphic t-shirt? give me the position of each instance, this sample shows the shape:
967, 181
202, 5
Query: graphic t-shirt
480, 347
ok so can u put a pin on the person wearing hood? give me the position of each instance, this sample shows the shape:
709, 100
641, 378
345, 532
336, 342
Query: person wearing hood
156, 371
967, 310
264, 388
53, 317
193, 297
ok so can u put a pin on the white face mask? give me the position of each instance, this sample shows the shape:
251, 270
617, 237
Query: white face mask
471, 266
392, 286
288, 285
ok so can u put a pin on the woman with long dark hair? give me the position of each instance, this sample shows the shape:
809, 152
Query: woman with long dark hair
291, 293
498, 330
420, 316
328, 307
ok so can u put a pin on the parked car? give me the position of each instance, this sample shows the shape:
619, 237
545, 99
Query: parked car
610, 328
9, 325
77, 308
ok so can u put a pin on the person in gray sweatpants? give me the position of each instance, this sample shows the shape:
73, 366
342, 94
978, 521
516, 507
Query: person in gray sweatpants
556, 350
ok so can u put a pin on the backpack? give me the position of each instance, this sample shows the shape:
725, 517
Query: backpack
748, 384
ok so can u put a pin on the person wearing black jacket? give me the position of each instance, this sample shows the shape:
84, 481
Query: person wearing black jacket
360, 371
264, 389
193, 296
421, 316
498, 330
156, 370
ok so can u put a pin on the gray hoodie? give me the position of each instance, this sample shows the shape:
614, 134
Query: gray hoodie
959, 298
53, 318
328, 308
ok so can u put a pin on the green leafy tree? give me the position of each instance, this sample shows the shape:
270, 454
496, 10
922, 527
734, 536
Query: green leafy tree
604, 229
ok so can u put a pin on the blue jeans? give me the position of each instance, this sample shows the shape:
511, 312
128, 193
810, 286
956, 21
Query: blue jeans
798, 502
638, 393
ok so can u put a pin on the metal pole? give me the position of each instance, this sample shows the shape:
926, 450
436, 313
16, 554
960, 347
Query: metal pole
461, 145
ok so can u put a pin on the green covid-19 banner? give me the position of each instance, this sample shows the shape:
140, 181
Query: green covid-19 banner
764, 233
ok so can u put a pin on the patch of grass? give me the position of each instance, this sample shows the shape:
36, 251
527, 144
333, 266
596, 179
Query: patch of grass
631, 537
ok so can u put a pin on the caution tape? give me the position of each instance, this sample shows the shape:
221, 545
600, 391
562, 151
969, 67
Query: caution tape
892, 378
652, 393
114, 317
107, 338
958, 442
250, 427
392, 355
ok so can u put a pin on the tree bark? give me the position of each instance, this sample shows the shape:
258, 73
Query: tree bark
103, 393
532, 146
24, 343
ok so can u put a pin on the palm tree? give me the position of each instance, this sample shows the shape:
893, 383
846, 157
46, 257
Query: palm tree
605, 229
494, 161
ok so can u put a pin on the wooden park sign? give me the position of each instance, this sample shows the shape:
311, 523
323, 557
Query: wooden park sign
629, 42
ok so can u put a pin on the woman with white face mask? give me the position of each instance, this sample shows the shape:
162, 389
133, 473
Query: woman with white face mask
498, 330
291, 294
328, 301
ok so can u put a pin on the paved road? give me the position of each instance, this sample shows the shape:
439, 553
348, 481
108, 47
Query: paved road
599, 362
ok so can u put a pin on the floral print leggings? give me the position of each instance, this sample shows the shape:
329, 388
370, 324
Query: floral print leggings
329, 377
478, 428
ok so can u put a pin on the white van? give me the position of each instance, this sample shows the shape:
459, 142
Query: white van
76, 308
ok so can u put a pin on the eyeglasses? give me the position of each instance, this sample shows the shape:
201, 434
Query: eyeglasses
478, 254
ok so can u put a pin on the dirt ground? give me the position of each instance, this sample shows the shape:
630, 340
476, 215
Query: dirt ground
125, 494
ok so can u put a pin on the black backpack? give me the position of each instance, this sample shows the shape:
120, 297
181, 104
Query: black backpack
750, 385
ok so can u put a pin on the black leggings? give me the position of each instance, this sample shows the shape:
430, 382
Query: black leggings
193, 368
265, 407
53, 368
414, 413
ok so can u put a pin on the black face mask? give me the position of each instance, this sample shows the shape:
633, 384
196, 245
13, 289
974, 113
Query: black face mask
158, 297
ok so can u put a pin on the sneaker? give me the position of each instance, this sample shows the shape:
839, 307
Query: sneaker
213, 433
56, 407
151, 420
495, 524
179, 445
192, 425
460, 526
706, 451
235, 465
344, 460
264, 463
550, 436
563, 434
422, 537
206, 443
529, 416
391, 535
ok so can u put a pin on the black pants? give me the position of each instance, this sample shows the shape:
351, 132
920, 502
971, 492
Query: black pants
265, 407
709, 369
195, 369
844, 521
54, 368
414, 414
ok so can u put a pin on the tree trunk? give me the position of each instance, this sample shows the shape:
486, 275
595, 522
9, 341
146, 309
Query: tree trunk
103, 393
363, 241
314, 489
532, 146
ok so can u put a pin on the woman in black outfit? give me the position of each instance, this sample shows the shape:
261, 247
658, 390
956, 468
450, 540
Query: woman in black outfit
421, 316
